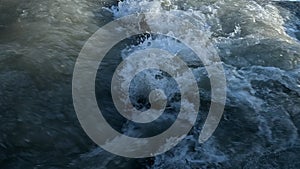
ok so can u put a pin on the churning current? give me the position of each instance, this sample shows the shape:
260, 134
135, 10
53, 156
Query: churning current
257, 41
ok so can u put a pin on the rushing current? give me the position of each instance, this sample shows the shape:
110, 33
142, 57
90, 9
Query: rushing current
258, 42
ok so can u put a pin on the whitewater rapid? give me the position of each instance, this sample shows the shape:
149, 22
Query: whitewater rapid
257, 41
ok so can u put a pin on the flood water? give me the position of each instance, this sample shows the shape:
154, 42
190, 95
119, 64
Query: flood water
257, 41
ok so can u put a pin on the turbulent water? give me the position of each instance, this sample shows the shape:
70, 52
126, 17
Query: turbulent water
257, 41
